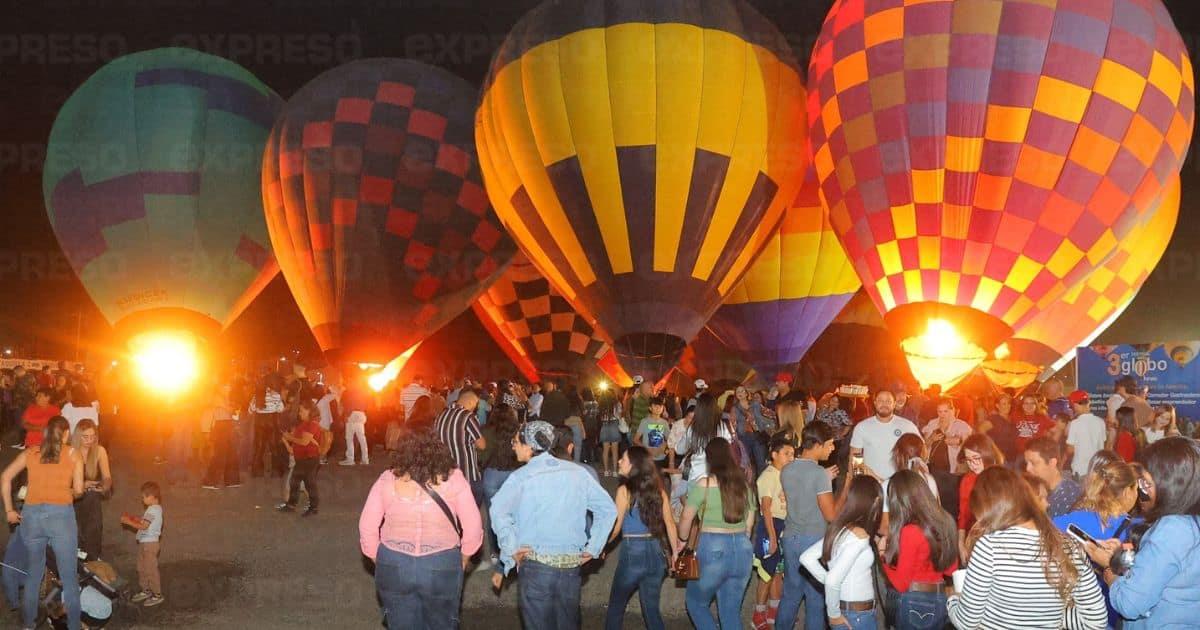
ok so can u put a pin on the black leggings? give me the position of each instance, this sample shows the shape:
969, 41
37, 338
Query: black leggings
89, 516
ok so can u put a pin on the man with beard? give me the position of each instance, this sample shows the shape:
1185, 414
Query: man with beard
874, 437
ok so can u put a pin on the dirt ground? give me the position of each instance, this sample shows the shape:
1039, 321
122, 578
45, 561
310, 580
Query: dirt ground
229, 559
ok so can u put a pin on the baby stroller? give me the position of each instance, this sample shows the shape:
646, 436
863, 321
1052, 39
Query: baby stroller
96, 598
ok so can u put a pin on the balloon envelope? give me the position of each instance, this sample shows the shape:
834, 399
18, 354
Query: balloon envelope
536, 327
1049, 340
980, 158
642, 154
793, 290
376, 208
151, 185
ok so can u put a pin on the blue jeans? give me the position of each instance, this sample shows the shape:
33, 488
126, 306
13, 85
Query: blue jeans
16, 557
921, 611
419, 592
641, 567
51, 526
864, 620
725, 561
549, 597
577, 437
492, 480
755, 451
799, 586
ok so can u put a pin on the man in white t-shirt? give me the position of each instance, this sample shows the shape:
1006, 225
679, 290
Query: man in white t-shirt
874, 437
1085, 435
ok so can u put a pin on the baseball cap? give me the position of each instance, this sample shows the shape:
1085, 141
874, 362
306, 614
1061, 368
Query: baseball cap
700, 384
638, 380
1078, 396
783, 377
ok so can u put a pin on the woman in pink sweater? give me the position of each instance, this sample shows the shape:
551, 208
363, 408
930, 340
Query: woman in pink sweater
421, 526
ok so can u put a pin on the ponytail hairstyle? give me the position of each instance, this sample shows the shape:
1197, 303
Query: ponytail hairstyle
1103, 489
52, 439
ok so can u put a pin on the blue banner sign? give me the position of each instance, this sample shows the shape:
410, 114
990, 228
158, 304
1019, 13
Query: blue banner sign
1170, 370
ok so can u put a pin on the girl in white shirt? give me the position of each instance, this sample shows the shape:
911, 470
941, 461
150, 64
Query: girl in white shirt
844, 561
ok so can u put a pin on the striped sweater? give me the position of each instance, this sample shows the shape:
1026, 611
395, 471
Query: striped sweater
1006, 588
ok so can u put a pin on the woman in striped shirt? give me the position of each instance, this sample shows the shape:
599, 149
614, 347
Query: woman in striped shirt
1022, 572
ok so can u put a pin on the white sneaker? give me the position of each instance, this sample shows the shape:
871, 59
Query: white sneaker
366, 462
346, 462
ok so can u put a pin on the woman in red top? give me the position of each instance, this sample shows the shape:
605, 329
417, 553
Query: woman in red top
920, 550
1126, 443
978, 452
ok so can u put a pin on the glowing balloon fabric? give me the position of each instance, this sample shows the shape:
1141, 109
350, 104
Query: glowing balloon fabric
536, 327
152, 188
791, 293
1049, 340
376, 208
981, 157
641, 154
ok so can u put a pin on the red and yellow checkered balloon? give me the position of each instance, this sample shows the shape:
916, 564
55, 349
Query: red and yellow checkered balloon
1049, 340
980, 157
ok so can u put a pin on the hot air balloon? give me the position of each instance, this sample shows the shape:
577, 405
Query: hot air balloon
375, 206
792, 292
536, 327
709, 358
642, 154
855, 349
1048, 341
980, 158
151, 186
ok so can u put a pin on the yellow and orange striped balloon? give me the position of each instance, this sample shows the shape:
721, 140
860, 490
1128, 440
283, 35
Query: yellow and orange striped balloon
642, 154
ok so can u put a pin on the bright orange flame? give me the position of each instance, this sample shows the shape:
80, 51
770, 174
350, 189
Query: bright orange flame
380, 379
941, 355
165, 361
1002, 352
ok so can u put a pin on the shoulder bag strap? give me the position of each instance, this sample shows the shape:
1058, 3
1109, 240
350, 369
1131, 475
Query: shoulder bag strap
451, 516
694, 535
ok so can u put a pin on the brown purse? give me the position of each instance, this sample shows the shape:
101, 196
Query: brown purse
687, 565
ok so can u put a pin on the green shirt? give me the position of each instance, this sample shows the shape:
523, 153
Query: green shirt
714, 517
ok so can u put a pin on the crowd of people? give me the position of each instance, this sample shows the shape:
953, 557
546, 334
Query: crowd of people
965, 512
906, 508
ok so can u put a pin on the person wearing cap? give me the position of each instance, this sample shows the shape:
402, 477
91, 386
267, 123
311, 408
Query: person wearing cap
540, 517
1085, 435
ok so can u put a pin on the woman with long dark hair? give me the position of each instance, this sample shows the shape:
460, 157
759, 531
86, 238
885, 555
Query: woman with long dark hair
979, 452
648, 535
421, 417
722, 500
1126, 442
1161, 592
707, 425
844, 560
1021, 571
421, 526
920, 551
55, 480
498, 460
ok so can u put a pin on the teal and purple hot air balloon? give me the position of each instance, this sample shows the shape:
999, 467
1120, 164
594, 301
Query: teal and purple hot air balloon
152, 187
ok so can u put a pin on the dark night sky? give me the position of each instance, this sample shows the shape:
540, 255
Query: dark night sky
49, 47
